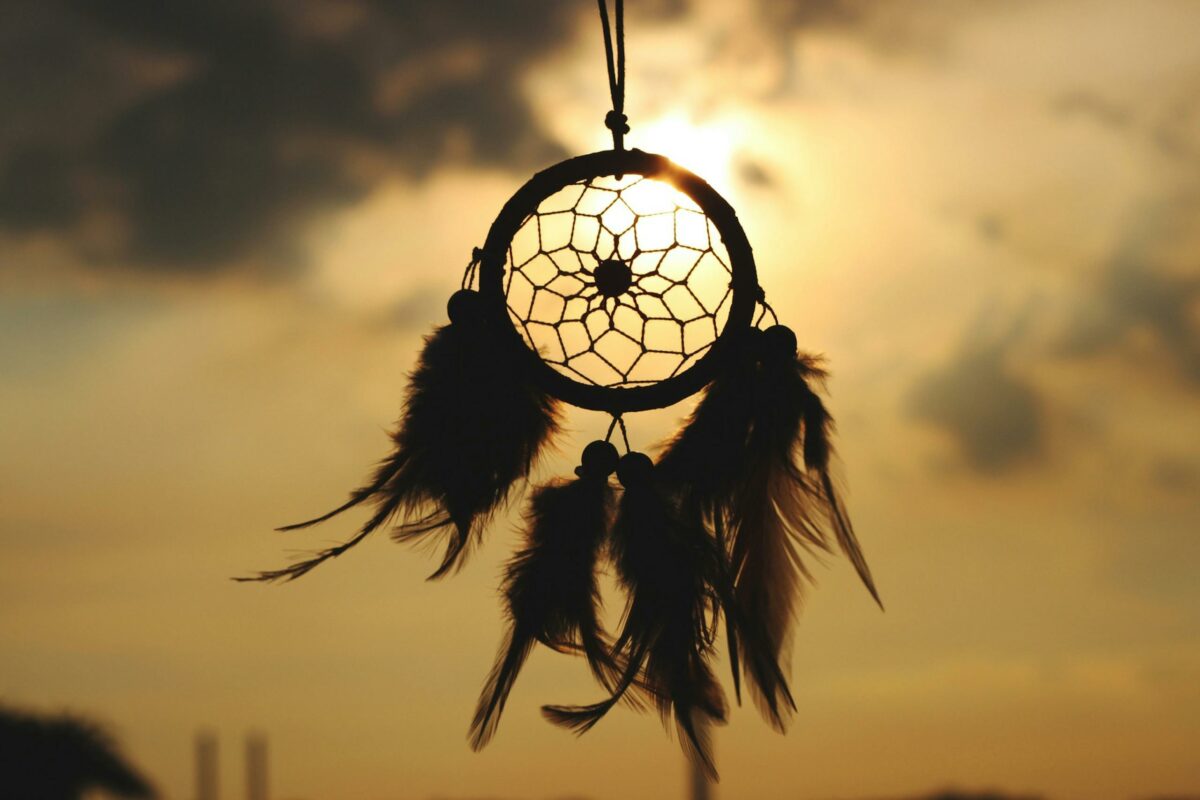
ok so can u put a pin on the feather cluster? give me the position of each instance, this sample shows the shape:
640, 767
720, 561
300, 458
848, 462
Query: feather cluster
455, 456
753, 464
550, 587
667, 569
717, 529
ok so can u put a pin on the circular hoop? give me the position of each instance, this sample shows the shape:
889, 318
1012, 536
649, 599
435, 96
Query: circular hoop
743, 282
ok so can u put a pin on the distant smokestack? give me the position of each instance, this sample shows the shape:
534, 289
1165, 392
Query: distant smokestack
701, 788
206, 766
256, 767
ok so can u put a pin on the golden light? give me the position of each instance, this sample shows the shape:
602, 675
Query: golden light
671, 308
708, 148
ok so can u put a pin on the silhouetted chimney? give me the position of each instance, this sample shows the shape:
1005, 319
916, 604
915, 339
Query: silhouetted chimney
256, 767
206, 766
701, 787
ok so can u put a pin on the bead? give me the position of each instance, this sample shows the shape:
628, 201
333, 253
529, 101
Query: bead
779, 343
635, 469
599, 460
613, 278
465, 306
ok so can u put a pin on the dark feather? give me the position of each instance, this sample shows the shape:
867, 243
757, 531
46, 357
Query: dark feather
725, 586
472, 426
768, 581
818, 450
702, 462
550, 590
668, 570
710, 469
581, 719
733, 466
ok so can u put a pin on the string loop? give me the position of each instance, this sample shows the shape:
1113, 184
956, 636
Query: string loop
472, 268
618, 421
615, 120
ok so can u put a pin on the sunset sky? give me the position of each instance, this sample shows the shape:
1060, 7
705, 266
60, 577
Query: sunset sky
225, 226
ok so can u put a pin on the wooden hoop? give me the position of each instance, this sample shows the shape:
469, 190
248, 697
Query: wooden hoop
613, 399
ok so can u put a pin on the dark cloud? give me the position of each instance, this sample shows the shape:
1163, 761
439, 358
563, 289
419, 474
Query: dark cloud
793, 14
60, 75
1175, 130
1177, 475
992, 228
205, 131
1089, 105
754, 173
1166, 118
1135, 302
36, 190
416, 309
920, 28
992, 415
197, 134
1145, 298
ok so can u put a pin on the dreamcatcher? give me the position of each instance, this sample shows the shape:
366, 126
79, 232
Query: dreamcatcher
620, 282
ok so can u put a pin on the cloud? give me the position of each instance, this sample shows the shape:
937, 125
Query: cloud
1163, 116
415, 310
207, 134
1092, 106
36, 190
1138, 302
793, 14
1176, 474
265, 115
994, 417
1136, 315
923, 28
1129, 300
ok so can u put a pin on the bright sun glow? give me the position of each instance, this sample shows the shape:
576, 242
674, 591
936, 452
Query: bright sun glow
707, 149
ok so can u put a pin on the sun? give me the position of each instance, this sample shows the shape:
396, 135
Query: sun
707, 149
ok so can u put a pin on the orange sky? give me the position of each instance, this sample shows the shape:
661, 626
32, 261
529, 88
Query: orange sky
986, 215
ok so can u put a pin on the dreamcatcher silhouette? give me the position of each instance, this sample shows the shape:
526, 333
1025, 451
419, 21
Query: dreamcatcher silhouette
620, 282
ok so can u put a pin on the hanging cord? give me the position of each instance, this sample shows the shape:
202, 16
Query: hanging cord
765, 310
472, 268
618, 420
615, 120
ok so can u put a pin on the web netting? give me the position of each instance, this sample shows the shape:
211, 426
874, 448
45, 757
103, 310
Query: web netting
618, 282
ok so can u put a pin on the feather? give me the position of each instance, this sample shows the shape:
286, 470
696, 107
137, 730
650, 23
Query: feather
667, 569
706, 469
550, 585
768, 576
472, 426
702, 463
817, 451
733, 465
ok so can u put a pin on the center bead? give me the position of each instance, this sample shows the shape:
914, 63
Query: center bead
613, 278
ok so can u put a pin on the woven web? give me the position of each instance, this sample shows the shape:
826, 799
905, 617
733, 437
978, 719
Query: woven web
674, 309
